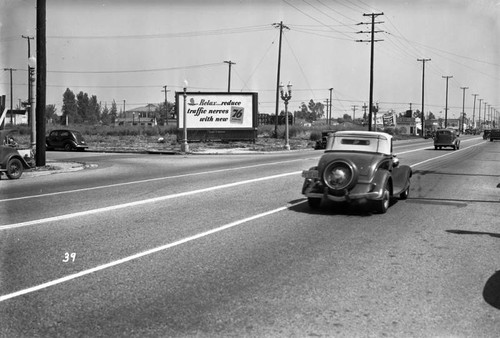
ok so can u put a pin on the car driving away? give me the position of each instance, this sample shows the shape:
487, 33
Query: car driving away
65, 139
494, 134
446, 138
357, 166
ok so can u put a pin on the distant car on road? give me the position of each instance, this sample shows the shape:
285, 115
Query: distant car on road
446, 138
11, 161
321, 143
357, 166
494, 134
65, 139
486, 134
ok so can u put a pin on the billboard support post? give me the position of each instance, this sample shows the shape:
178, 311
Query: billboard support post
185, 145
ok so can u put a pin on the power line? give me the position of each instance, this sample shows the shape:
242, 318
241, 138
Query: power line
237, 30
133, 70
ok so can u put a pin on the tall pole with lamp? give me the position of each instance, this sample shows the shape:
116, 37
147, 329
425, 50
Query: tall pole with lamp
31, 70
330, 117
286, 96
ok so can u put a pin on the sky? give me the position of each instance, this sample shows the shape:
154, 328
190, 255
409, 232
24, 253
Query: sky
126, 51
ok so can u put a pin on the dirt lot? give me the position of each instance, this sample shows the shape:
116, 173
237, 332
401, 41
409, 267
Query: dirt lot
145, 144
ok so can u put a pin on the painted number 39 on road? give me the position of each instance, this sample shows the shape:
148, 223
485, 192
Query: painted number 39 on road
237, 114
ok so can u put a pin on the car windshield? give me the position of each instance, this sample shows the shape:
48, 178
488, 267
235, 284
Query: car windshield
78, 136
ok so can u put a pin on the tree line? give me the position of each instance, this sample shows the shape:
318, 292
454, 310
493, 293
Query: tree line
82, 108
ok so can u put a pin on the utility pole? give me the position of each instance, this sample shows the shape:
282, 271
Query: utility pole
423, 95
11, 95
484, 112
479, 113
166, 104
281, 26
327, 106
372, 41
28, 38
229, 77
330, 119
364, 110
446, 107
474, 113
461, 126
41, 82
353, 112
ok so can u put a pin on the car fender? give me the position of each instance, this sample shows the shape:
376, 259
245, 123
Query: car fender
12, 155
380, 179
401, 178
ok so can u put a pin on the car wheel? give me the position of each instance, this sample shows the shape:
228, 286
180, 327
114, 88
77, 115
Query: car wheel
68, 147
435, 148
314, 203
14, 169
404, 195
382, 205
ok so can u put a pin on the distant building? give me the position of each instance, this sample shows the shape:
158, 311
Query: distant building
16, 116
142, 116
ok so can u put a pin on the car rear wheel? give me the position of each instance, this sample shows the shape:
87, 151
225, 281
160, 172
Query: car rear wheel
14, 169
382, 205
313, 202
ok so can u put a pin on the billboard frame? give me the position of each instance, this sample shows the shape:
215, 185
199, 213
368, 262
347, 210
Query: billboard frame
248, 131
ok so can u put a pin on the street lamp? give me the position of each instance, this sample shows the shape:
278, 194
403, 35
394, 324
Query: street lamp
31, 76
286, 97
185, 145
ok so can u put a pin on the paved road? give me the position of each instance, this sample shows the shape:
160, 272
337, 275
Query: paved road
148, 245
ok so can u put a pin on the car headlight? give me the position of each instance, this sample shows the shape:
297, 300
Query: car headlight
340, 175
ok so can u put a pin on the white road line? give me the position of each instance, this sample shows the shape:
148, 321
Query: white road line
145, 181
447, 154
136, 203
142, 254
430, 147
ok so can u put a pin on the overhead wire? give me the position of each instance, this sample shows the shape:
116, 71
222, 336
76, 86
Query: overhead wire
221, 31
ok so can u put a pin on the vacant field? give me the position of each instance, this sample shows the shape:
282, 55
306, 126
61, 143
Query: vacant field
164, 139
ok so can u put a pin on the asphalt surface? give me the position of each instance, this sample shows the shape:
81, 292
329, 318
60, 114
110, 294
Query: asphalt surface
212, 246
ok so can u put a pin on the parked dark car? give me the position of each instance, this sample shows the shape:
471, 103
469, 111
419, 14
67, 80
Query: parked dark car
321, 143
357, 166
486, 134
494, 134
11, 161
65, 139
446, 138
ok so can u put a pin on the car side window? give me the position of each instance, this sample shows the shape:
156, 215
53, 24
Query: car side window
64, 134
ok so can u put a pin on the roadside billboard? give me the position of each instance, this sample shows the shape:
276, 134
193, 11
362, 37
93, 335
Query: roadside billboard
217, 115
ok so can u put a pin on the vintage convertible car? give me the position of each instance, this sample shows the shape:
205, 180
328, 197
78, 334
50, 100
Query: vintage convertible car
11, 161
357, 165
